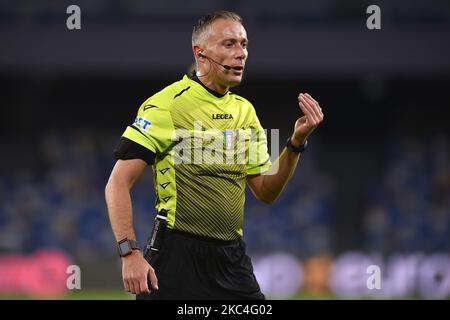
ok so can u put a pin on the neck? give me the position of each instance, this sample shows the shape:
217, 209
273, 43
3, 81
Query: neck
209, 83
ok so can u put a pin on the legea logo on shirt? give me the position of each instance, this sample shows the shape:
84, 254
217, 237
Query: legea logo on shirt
222, 116
142, 123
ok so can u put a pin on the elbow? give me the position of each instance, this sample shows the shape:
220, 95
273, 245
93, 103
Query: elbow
117, 184
265, 196
108, 188
262, 191
267, 199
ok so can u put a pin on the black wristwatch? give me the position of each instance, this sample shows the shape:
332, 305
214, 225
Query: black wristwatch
126, 247
295, 149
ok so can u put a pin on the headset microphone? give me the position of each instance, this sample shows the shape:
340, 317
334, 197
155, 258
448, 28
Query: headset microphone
226, 67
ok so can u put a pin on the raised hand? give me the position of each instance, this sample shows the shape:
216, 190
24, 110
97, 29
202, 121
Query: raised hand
305, 125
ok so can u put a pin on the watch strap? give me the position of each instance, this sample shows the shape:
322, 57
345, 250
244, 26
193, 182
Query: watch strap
295, 149
134, 245
126, 247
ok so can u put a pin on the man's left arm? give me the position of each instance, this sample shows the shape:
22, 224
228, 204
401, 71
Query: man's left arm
268, 186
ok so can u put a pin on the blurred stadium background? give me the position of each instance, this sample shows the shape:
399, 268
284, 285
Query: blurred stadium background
373, 188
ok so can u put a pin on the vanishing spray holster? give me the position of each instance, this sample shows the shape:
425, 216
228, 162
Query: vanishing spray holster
156, 238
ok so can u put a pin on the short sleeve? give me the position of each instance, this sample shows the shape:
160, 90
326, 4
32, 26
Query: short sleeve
152, 128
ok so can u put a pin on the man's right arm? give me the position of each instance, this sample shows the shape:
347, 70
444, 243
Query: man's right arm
117, 192
135, 269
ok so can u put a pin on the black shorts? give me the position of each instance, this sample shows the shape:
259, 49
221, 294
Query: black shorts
190, 267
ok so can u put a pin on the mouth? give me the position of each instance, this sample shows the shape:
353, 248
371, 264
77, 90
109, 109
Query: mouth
237, 70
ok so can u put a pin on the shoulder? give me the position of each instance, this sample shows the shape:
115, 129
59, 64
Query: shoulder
243, 102
241, 99
163, 99
244, 105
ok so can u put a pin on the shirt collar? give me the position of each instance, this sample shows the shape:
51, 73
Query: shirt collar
213, 92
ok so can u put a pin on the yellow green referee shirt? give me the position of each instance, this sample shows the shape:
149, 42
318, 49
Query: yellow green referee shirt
205, 146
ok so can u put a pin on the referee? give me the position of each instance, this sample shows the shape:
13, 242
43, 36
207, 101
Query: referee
187, 132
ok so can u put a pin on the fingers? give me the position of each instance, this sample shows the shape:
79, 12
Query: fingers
319, 109
131, 286
308, 110
139, 285
136, 285
311, 109
136, 273
126, 286
143, 286
153, 278
305, 109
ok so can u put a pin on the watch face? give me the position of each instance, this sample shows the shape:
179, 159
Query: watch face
124, 247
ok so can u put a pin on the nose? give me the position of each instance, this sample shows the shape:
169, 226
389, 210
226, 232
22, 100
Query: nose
241, 53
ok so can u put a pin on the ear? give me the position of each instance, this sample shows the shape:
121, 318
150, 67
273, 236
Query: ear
197, 50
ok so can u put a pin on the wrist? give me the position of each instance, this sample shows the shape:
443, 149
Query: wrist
297, 143
295, 146
126, 247
133, 253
